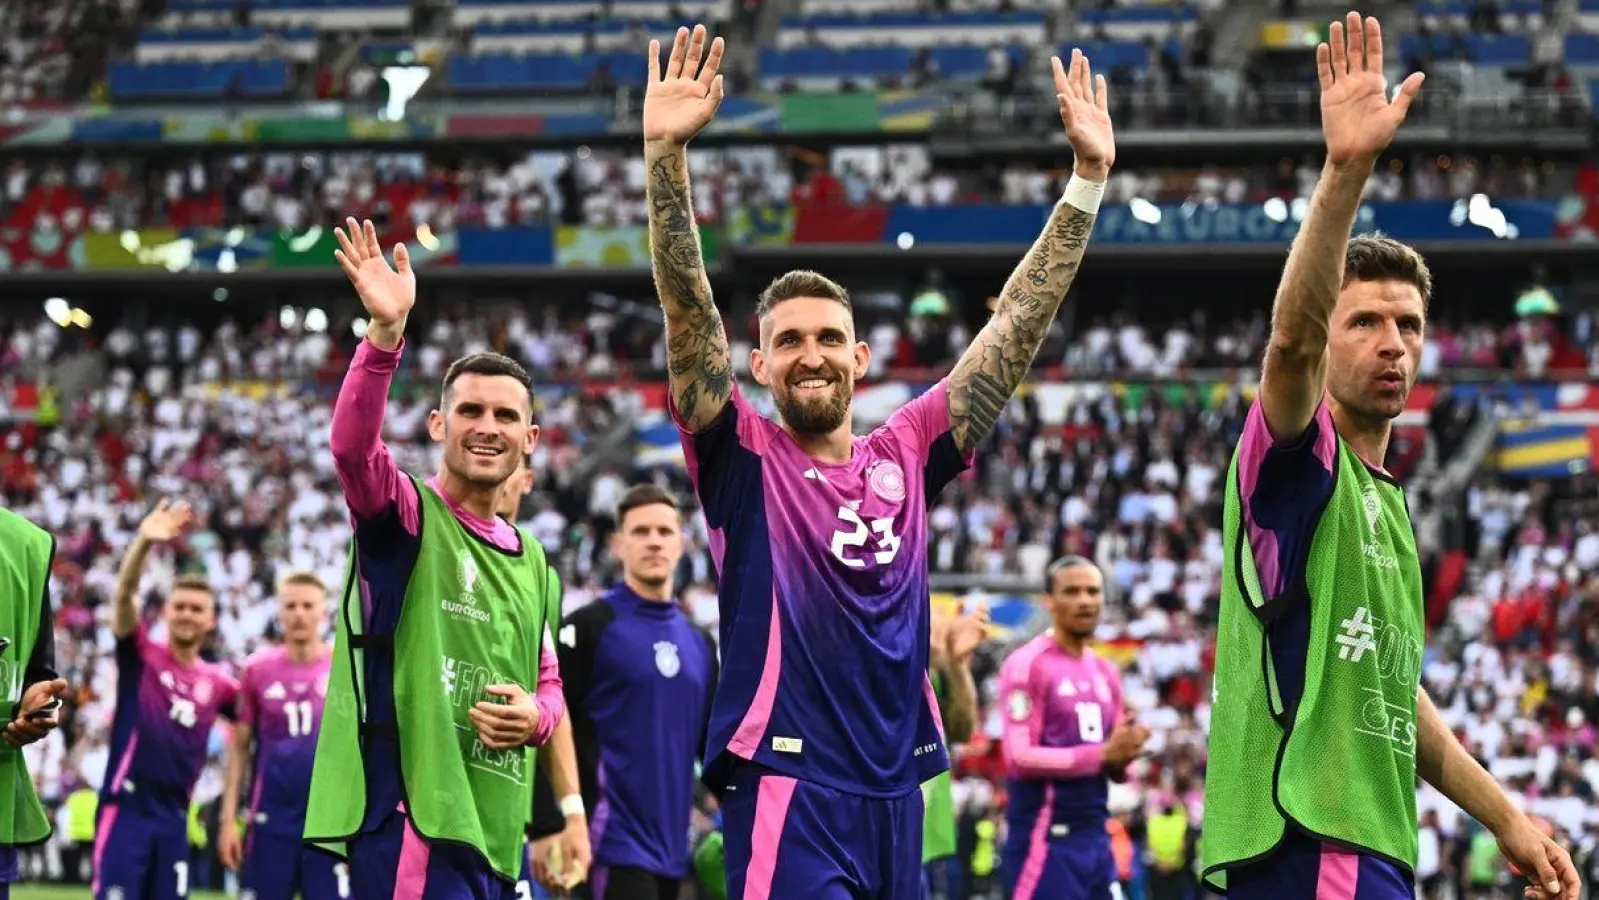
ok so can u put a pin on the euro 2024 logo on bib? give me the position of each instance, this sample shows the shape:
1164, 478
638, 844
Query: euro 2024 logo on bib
465, 605
1372, 504
887, 480
666, 659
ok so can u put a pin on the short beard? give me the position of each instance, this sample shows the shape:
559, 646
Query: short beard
815, 418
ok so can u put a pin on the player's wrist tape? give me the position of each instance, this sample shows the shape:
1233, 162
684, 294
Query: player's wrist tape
572, 805
1083, 194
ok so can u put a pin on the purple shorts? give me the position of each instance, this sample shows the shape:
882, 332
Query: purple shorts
1070, 864
279, 866
1304, 867
140, 857
789, 838
396, 862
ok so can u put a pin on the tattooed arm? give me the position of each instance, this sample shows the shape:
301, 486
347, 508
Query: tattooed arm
997, 361
699, 363
679, 101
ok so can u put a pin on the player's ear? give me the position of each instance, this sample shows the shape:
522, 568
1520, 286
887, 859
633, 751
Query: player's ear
758, 367
863, 359
531, 441
435, 425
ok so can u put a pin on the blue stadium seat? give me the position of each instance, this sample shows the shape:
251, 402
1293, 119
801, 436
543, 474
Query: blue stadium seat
1582, 49
1464, 8
1481, 49
800, 63
493, 72
1108, 55
198, 80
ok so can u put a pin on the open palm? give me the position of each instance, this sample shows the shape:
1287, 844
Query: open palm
166, 521
680, 104
387, 293
1357, 118
1085, 111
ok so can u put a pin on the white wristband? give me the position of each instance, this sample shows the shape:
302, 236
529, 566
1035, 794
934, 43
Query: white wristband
572, 805
1083, 194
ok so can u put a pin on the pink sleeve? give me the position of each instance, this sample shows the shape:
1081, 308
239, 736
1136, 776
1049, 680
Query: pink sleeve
926, 418
549, 698
1024, 723
373, 484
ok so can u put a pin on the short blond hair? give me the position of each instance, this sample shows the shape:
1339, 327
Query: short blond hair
193, 583
310, 579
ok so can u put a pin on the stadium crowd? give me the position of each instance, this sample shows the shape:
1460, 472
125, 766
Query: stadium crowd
605, 187
1514, 661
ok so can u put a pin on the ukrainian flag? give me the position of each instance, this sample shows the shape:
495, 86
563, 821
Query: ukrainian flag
1544, 451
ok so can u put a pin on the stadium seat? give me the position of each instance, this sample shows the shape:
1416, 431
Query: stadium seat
913, 29
322, 15
199, 80
215, 44
1481, 49
1136, 23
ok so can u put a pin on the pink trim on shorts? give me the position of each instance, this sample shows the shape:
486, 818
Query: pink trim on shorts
411, 877
1337, 875
102, 834
1038, 850
747, 738
124, 766
771, 811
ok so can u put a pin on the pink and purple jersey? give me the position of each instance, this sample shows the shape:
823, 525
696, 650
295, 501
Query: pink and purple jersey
1059, 709
824, 597
162, 725
386, 512
281, 700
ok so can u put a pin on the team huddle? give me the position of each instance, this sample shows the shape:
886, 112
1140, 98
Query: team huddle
460, 738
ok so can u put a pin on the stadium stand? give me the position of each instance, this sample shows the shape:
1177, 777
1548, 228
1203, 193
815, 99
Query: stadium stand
171, 323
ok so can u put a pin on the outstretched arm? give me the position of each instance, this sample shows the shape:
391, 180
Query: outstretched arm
372, 483
164, 523
699, 362
999, 358
1358, 122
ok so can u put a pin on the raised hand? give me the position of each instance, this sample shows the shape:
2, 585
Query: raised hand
166, 521
1357, 118
387, 293
965, 633
1085, 111
678, 105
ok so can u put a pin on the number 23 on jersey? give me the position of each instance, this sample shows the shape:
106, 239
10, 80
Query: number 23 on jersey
858, 543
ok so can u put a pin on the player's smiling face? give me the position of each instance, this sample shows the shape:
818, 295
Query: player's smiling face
1075, 600
649, 543
1374, 344
486, 428
190, 615
810, 359
302, 609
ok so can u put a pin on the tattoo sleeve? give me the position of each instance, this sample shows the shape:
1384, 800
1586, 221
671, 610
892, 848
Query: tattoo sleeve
698, 360
998, 359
